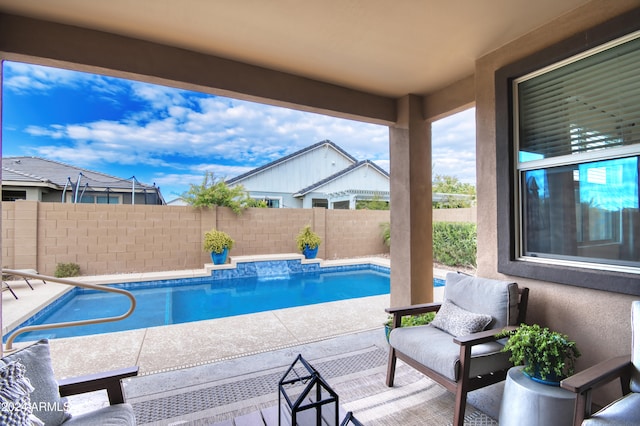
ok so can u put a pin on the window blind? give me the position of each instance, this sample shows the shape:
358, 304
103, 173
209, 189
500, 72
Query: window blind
590, 104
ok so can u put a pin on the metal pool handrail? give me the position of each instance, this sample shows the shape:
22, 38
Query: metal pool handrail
9, 344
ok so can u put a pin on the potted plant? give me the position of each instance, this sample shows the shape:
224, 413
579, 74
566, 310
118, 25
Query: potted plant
409, 321
218, 243
308, 242
547, 356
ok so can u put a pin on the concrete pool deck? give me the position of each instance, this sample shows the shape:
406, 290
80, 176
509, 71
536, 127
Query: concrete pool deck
173, 347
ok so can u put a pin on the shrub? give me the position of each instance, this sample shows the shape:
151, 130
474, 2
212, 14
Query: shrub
64, 270
215, 192
413, 320
216, 241
377, 203
385, 230
455, 244
307, 237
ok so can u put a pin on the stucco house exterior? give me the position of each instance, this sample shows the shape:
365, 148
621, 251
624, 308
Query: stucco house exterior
40, 179
320, 175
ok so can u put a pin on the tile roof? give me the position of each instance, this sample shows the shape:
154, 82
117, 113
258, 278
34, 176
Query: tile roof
43, 171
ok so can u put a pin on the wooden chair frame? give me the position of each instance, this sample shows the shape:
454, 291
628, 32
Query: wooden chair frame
465, 384
584, 382
111, 381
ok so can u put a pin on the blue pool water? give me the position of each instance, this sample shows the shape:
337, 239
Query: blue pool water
179, 301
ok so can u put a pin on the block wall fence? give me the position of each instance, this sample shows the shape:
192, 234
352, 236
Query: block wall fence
110, 239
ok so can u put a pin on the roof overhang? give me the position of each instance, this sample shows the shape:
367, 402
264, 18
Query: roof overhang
351, 59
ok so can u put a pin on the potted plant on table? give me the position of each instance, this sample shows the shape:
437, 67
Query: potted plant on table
308, 242
547, 356
218, 243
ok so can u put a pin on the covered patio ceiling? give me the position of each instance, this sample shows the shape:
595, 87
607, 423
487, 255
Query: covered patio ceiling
380, 47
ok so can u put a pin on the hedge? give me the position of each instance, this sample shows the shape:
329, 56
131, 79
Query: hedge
455, 244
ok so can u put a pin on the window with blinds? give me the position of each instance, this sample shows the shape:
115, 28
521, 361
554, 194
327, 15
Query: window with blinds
577, 131
587, 104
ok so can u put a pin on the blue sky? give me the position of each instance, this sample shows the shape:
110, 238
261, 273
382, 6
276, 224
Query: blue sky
171, 137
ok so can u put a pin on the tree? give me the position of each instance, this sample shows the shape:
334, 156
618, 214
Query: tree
215, 192
444, 184
376, 203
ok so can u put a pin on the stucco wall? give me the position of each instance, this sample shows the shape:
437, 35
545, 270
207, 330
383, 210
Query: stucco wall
599, 321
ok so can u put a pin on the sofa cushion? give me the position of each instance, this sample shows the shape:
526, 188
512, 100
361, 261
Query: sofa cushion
496, 298
459, 322
14, 396
436, 350
111, 415
635, 345
47, 404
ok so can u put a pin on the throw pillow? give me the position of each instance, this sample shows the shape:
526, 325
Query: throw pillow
459, 322
46, 402
15, 403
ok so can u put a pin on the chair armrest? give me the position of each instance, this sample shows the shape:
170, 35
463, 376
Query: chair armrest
108, 380
414, 309
403, 311
583, 383
482, 336
598, 374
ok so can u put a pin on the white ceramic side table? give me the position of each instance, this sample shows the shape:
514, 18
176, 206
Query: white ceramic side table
529, 403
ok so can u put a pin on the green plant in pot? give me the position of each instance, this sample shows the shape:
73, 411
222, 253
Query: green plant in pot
218, 243
547, 356
308, 242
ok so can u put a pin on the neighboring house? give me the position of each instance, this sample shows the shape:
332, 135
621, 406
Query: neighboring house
39, 179
321, 175
179, 201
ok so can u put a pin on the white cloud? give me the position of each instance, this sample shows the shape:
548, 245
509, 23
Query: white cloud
28, 78
189, 133
454, 146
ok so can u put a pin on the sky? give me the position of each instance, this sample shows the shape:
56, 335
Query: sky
172, 137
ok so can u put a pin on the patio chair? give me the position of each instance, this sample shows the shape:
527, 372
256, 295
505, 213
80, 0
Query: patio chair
459, 349
624, 411
28, 271
45, 397
6, 286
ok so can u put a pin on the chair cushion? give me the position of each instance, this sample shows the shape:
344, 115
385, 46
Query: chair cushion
111, 415
47, 404
625, 411
459, 322
436, 350
635, 345
496, 298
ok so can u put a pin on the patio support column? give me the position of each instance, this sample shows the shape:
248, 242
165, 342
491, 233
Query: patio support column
411, 214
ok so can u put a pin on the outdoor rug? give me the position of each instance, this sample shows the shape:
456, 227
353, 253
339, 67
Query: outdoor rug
358, 378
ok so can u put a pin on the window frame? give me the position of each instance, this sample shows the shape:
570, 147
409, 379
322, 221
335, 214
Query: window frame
507, 173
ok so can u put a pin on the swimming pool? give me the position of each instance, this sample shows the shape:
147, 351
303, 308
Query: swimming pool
195, 299
250, 287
